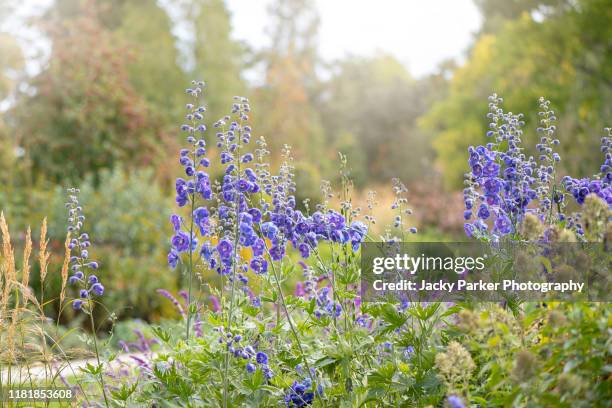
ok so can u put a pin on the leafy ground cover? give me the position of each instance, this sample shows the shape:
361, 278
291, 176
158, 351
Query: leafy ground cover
270, 313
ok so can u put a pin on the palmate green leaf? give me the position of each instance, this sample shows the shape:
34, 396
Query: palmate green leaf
374, 394
348, 275
451, 311
289, 359
424, 313
346, 294
124, 392
429, 382
495, 376
92, 369
479, 400
270, 299
382, 376
311, 306
390, 315
325, 361
161, 333
254, 381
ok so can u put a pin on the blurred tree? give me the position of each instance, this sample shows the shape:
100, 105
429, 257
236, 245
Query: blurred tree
11, 64
496, 12
87, 115
217, 57
145, 30
564, 54
154, 69
286, 112
370, 107
127, 215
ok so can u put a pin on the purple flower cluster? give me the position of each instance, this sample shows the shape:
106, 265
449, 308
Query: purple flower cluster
455, 402
500, 185
581, 188
601, 183
196, 186
326, 306
237, 221
81, 265
503, 182
301, 394
235, 345
545, 172
141, 345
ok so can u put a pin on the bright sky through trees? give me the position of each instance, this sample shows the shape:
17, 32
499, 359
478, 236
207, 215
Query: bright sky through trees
421, 34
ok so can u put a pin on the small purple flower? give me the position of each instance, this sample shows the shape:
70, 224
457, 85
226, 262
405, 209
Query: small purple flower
455, 402
490, 169
243, 185
304, 250
180, 241
172, 299
255, 214
277, 252
483, 212
503, 224
469, 229
200, 218
98, 289
206, 251
224, 248
173, 258
77, 304
258, 247
261, 357
250, 367
176, 222
259, 265
269, 230
335, 219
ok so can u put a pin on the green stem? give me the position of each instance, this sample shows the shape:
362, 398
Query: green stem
230, 315
293, 330
93, 330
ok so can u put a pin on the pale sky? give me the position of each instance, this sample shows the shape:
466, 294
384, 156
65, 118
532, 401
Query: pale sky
420, 33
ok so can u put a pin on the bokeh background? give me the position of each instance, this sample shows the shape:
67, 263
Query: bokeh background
92, 95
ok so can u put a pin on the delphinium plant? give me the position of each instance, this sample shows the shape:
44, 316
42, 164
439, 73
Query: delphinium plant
501, 183
84, 278
289, 326
286, 324
531, 355
505, 186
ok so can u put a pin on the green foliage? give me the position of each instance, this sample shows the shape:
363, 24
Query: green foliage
290, 80
370, 110
131, 239
88, 117
217, 57
566, 57
550, 355
128, 214
154, 69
